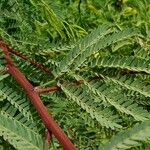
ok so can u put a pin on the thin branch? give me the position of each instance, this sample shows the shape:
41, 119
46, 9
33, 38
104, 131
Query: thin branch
33, 62
47, 119
41, 90
6, 53
78, 82
46, 89
47, 137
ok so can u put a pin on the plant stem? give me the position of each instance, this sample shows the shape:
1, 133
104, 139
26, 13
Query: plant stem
47, 119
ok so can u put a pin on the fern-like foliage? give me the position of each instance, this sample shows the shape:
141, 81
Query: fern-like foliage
96, 41
18, 134
129, 138
117, 99
103, 115
95, 55
129, 63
